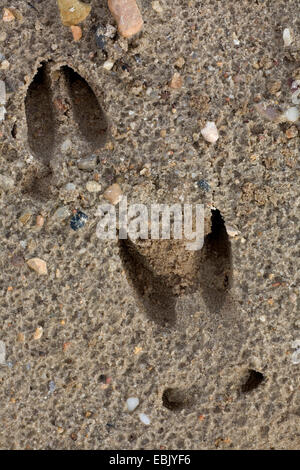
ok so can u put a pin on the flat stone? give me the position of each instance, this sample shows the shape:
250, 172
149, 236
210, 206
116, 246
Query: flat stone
38, 265
127, 15
73, 12
88, 163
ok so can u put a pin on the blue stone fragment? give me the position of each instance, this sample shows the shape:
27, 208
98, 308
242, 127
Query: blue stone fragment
78, 220
203, 184
100, 41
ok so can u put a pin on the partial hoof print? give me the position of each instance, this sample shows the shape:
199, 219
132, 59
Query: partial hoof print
87, 111
215, 273
162, 271
40, 115
60, 106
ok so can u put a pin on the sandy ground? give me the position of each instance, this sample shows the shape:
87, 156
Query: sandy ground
204, 340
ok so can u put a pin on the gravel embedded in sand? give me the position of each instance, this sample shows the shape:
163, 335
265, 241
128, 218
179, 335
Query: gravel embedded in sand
127, 16
38, 265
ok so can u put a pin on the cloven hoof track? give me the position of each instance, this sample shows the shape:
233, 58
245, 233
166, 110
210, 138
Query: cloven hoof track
44, 114
163, 270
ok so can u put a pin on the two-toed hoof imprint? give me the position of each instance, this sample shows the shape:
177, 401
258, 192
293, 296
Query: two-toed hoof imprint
60, 105
161, 271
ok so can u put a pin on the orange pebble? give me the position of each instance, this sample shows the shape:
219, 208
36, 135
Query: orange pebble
77, 32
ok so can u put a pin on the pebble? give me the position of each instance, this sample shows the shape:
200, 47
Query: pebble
78, 220
40, 221
231, 231
6, 183
73, 12
38, 333
93, 187
180, 62
21, 338
4, 65
274, 86
287, 37
77, 33
108, 65
291, 132
38, 265
177, 81
70, 187
203, 184
127, 15
113, 194
132, 403
61, 213
25, 217
88, 163
157, 7
52, 386
8, 15
292, 114
100, 39
210, 132
268, 112
2, 352
110, 31
145, 419
66, 146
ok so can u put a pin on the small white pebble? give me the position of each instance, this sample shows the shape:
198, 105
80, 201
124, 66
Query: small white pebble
132, 403
108, 64
231, 231
287, 37
2, 352
262, 318
144, 418
210, 132
292, 114
236, 42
